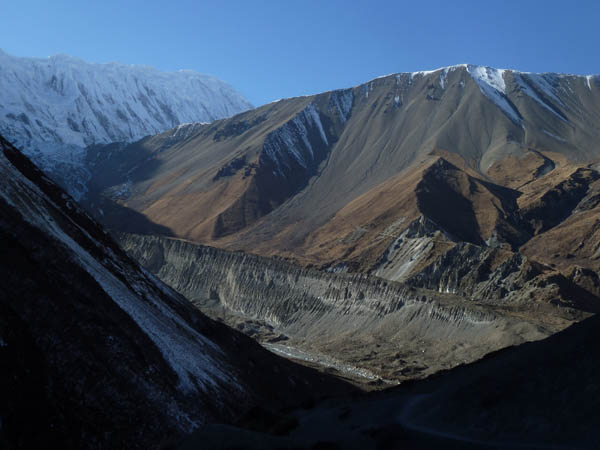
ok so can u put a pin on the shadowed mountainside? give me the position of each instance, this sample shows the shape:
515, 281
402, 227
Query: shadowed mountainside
96, 352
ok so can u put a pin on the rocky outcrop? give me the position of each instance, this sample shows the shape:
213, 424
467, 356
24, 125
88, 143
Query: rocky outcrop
265, 288
559, 202
500, 276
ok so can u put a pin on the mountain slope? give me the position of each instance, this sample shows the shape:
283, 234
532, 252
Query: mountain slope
53, 108
287, 178
96, 352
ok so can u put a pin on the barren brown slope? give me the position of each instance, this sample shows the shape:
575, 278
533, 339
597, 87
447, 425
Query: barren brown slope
574, 241
205, 182
465, 208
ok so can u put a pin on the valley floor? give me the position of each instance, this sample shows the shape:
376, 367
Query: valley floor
538, 395
380, 420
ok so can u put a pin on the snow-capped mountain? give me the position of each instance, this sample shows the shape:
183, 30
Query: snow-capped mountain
54, 107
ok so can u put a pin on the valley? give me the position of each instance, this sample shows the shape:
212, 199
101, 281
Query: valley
399, 264
412, 223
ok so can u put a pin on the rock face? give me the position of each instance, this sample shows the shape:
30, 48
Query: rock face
369, 325
55, 107
501, 276
96, 352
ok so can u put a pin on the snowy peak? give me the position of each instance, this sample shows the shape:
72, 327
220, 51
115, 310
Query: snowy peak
53, 108
64, 100
488, 75
475, 68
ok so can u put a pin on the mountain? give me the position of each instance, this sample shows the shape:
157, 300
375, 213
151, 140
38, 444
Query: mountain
96, 352
338, 180
400, 227
53, 108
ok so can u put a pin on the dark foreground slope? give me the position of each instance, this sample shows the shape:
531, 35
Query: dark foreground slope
544, 392
95, 352
540, 395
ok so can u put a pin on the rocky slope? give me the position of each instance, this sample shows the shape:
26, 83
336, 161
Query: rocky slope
55, 107
362, 326
96, 352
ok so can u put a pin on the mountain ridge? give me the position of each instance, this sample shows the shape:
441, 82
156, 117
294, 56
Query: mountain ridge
397, 117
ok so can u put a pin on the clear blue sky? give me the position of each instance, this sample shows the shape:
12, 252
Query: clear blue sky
274, 49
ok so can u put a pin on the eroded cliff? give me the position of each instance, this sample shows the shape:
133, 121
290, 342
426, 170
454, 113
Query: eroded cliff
357, 324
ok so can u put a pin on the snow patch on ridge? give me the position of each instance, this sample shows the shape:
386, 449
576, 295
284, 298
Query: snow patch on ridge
315, 119
343, 100
183, 132
544, 82
445, 70
443, 78
522, 81
546, 132
491, 84
490, 76
189, 353
292, 140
